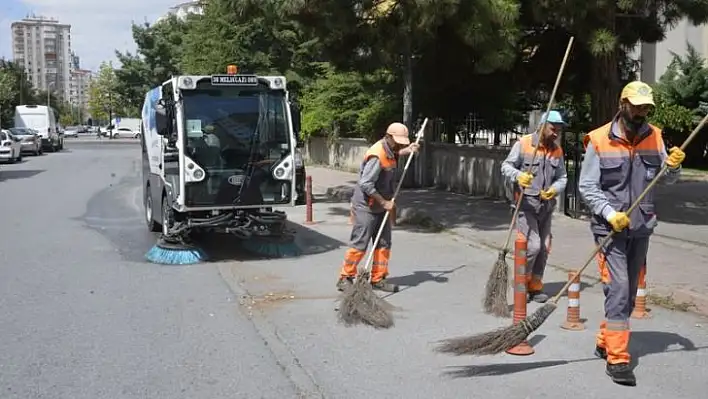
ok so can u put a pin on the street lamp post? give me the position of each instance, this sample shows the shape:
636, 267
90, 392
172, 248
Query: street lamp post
49, 85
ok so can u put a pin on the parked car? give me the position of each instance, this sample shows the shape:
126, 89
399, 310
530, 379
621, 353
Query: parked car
30, 140
71, 131
125, 132
10, 147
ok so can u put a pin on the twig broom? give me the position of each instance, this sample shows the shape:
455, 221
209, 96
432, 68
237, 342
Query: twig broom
500, 340
495, 300
359, 303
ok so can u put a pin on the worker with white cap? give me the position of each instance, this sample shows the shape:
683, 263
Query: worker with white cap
371, 199
541, 178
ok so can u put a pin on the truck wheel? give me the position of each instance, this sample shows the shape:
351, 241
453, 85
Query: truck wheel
152, 225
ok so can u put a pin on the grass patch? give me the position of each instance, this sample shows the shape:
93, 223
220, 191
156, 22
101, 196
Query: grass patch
668, 302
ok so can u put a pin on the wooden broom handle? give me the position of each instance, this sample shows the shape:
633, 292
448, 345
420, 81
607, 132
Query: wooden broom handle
634, 205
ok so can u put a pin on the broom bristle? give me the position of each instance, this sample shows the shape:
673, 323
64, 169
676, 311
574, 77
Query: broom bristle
495, 295
361, 305
497, 341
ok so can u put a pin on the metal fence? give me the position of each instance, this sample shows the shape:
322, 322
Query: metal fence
574, 150
470, 131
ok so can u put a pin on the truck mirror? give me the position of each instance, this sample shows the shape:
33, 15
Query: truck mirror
297, 120
161, 119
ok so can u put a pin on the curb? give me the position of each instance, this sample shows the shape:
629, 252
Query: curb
101, 142
665, 297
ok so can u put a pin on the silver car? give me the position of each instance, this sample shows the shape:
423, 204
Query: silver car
72, 131
29, 139
10, 149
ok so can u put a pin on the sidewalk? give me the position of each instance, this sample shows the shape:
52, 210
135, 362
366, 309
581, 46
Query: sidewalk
676, 276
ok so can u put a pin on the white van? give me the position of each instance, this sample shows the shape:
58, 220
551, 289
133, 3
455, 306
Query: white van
42, 119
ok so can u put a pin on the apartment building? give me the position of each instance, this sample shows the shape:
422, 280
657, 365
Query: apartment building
43, 47
79, 89
181, 10
654, 58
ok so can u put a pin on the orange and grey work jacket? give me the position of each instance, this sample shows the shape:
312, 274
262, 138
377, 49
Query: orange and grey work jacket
548, 167
615, 171
377, 175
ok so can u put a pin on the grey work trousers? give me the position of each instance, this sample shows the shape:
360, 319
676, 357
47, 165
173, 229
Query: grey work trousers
534, 222
620, 264
366, 226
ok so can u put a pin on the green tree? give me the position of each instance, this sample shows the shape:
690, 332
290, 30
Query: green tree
348, 104
605, 30
258, 36
16, 90
368, 35
158, 57
682, 100
8, 85
104, 101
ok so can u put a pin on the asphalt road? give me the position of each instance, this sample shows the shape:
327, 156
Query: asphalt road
83, 316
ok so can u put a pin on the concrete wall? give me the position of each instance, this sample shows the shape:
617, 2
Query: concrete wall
459, 168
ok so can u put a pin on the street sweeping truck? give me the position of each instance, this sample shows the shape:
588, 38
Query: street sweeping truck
220, 154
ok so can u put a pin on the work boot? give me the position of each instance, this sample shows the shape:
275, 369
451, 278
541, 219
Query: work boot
344, 282
621, 374
600, 352
382, 285
538, 296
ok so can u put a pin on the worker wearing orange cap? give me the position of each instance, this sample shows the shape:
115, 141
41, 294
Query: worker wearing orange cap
370, 201
621, 159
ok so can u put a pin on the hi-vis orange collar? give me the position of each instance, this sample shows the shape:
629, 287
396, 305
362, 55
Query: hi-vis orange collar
389, 151
535, 139
615, 131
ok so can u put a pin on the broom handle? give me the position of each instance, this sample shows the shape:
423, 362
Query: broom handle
634, 205
535, 150
370, 257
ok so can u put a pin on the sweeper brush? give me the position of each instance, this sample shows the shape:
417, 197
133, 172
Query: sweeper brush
493, 342
174, 252
273, 247
361, 305
495, 301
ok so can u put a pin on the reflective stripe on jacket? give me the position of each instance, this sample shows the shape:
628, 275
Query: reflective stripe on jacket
384, 183
625, 171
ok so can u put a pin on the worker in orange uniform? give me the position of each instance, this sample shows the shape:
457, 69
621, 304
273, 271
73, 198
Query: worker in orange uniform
541, 179
621, 158
371, 199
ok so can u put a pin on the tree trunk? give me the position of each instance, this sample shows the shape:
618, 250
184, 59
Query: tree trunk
605, 79
408, 87
605, 88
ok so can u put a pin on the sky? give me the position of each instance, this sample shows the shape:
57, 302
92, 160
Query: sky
98, 28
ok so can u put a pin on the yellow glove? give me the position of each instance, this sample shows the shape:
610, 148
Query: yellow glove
525, 179
548, 194
618, 220
676, 156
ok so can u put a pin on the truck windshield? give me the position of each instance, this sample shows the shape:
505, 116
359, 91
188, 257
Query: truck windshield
232, 127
